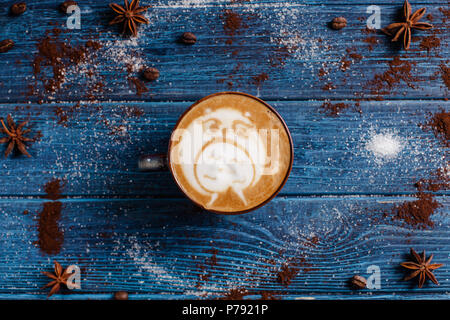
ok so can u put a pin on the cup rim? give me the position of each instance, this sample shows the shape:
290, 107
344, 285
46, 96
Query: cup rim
291, 143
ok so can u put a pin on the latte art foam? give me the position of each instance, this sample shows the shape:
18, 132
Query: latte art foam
224, 166
221, 153
228, 153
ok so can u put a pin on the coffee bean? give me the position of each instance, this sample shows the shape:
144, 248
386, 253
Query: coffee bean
151, 74
358, 282
121, 295
6, 45
65, 5
339, 23
188, 38
18, 8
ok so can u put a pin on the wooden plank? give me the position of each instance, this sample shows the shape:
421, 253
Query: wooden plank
143, 296
190, 72
160, 249
134, 231
331, 155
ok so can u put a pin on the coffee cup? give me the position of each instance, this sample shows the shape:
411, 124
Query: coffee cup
229, 153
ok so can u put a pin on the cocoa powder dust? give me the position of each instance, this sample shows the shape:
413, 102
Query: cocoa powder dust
50, 236
439, 124
418, 213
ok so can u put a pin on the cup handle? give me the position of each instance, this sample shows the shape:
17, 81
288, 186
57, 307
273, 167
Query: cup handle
153, 162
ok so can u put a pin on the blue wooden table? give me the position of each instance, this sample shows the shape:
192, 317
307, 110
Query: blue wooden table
134, 231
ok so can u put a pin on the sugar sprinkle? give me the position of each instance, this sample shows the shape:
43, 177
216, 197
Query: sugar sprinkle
384, 145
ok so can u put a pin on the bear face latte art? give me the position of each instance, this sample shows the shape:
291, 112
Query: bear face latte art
230, 153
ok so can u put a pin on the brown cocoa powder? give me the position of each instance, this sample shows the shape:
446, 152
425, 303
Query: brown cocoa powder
418, 213
333, 109
446, 14
206, 267
439, 124
213, 259
53, 189
289, 270
235, 294
439, 180
268, 295
65, 5
399, 71
53, 59
50, 236
241, 293
445, 75
64, 115
371, 41
260, 78
232, 23
430, 43
322, 72
328, 86
286, 273
349, 59
280, 54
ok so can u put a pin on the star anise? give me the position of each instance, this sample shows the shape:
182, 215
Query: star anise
16, 136
403, 29
59, 278
421, 267
130, 15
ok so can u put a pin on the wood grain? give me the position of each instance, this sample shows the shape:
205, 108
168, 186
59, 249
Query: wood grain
162, 248
135, 231
330, 152
190, 72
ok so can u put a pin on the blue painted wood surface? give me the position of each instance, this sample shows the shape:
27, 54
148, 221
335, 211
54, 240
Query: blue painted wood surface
135, 231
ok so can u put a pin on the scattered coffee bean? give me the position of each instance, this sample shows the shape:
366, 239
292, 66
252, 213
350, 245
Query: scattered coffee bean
151, 74
188, 38
6, 45
339, 23
121, 295
358, 282
18, 8
66, 4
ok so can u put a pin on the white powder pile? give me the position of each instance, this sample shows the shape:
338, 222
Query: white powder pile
384, 145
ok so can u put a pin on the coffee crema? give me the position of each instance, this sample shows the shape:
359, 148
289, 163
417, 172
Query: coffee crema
230, 153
